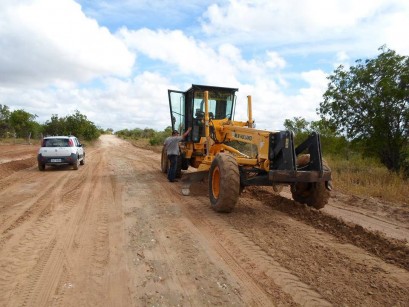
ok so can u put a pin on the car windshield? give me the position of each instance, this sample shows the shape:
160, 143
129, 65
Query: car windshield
56, 143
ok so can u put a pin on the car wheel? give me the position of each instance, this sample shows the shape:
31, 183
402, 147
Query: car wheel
41, 166
83, 160
76, 164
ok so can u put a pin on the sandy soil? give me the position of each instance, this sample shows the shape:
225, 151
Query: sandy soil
117, 233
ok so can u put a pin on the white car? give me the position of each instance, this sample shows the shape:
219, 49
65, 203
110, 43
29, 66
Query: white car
60, 150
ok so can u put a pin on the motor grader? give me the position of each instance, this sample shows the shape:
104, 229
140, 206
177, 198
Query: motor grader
233, 154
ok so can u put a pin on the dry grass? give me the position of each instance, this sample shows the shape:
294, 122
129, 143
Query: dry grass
369, 179
366, 178
144, 143
13, 141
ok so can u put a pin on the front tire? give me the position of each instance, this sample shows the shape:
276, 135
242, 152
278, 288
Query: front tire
224, 183
83, 160
313, 194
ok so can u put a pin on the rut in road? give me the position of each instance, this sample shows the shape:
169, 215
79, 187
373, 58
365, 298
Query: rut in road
49, 237
116, 232
253, 260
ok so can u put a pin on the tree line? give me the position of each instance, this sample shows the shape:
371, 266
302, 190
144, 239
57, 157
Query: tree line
22, 124
155, 137
364, 111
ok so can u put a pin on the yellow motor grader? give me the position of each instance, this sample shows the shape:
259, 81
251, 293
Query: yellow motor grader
233, 154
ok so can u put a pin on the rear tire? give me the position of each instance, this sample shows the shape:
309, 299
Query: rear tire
178, 166
164, 163
41, 166
76, 164
313, 194
224, 183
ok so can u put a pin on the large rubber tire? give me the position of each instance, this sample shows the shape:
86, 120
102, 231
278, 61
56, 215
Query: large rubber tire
224, 183
164, 163
184, 163
313, 194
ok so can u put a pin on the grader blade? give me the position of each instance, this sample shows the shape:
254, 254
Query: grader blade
190, 178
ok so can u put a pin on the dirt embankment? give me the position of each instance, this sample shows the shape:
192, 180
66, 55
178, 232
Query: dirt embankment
117, 233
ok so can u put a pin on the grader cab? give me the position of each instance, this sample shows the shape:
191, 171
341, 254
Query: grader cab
233, 154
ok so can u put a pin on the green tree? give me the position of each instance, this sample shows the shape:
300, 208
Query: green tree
369, 102
4, 120
297, 125
55, 126
23, 123
331, 141
76, 124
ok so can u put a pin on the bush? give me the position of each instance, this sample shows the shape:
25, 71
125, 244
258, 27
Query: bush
158, 138
405, 168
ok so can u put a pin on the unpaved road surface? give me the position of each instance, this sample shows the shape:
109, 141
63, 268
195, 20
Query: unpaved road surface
117, 233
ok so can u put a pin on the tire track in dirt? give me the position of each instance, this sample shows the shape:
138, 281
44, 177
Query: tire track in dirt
91, 251
33, 292
82, 217
320, 259
169, 262
34, 206
169, 267
37, 227
26, 255
391, 250
253, 259
213, 231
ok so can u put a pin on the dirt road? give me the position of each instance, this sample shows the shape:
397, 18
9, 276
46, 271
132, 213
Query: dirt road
117, 233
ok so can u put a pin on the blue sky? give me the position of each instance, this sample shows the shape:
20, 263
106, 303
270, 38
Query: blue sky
114, 60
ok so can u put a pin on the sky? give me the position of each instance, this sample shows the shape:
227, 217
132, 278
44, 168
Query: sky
114, 61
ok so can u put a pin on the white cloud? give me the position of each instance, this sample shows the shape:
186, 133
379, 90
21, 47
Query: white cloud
354, 25
342, 58
223, 65
191, 57
48, 41
275, 51
271, 106
275, 60
396, 29
139, 102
